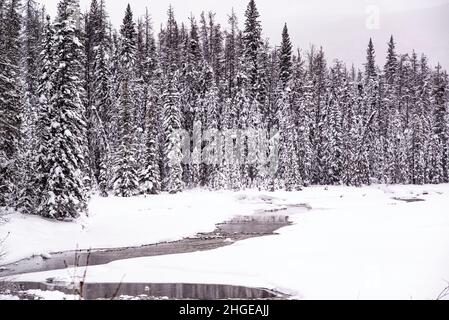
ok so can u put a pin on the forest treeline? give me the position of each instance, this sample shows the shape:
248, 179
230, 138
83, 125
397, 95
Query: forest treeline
86, 107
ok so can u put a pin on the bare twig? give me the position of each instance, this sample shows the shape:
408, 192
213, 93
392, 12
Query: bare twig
115, 295
79, 291
444, 294
83, 280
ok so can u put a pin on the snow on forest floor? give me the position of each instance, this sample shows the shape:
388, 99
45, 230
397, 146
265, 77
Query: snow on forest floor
378, 242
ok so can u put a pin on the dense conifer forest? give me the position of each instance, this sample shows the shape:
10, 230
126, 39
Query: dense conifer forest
85, 107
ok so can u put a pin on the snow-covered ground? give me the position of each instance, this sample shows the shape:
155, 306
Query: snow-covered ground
355, 243
119, 222
40, 295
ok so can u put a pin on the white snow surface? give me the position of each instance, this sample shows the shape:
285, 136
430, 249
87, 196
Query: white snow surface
119, 222
355, 243
41, 295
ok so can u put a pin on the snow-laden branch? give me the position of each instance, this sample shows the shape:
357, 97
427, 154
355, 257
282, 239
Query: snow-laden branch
2, 122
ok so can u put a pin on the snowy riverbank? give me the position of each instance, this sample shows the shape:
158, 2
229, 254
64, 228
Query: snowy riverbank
379, 242
119, 222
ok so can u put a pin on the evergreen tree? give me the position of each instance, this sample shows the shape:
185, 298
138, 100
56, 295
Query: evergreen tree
370, 66
285, 58
172, 125
100, 95
231, 57
317, 74
391, 65
213, 153
10, 106
149, 176
31, 47
125, 179
333, 140
441, 131
289, 162
64, 194
251, 105
191, 93
38, 181
170, 45
252, 43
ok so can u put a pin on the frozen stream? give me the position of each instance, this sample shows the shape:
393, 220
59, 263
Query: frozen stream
239, 228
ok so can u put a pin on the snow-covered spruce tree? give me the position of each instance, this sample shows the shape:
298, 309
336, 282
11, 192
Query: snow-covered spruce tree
361, 127
88, 38
252, 43
114, 84
213, 151
397, 169
195, 163
288, 158
301, 103
125, 179
211, 77
205, 37
169, 45
36, 182
407, 98
231, 161
285, 58
231, 60
251, 115
230, 110
349, 124
10, 105
149, 175
169, 63
289, 161
390, 105
242, 103
440, 126
391, 65
216, 51
371, 112
333, 130
64, 195
370, 65
140, 96
192, 88
145, 83
415, 135
172, 124
270, 120
272, 91
317, 73
31, 47
98, 101
423, 133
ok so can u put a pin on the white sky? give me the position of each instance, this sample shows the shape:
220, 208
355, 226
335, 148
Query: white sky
338, 25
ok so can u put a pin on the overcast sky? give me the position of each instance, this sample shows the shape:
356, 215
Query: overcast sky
342, 27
